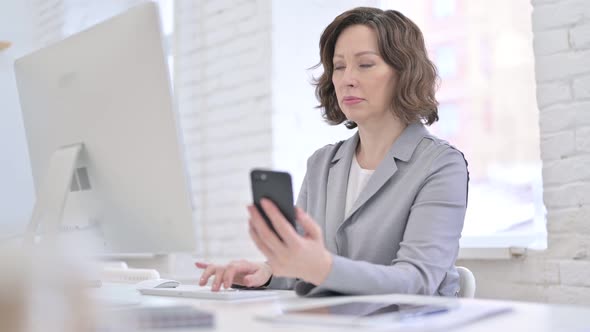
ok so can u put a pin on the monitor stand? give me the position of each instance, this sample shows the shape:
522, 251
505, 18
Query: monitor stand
49, 208
51, 198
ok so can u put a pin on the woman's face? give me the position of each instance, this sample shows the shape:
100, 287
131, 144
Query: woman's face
364, 82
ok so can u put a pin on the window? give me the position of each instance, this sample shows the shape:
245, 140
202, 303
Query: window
451, 126
446, 61
488, 110
443, 8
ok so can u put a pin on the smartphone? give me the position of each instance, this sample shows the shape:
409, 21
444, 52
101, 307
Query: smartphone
371, 309
380, 314
277, 187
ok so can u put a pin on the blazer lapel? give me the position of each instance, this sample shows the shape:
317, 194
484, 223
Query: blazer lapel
402, 149
336, 190
382, 174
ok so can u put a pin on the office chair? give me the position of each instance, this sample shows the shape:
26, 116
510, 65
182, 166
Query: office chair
466, 282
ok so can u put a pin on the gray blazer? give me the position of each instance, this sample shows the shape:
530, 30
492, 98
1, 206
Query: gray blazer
402, 234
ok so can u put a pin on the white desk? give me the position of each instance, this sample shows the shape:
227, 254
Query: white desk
240, 316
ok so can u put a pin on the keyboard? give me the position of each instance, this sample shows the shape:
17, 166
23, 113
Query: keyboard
199, 292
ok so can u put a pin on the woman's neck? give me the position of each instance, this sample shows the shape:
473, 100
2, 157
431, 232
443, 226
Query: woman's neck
375, 140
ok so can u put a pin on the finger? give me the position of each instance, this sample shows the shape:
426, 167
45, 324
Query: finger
266, 251
308, 224
218, 279
201, 265
257, 279
254, 213
209, 270
265, 234
228, 276
244, 266
279, 222
243, 269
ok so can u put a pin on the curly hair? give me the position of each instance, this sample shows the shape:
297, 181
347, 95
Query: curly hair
401, 45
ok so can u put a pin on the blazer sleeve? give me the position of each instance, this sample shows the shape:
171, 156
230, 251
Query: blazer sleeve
283, 282
430, 242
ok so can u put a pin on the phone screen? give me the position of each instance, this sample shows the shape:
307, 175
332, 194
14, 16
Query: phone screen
369, 309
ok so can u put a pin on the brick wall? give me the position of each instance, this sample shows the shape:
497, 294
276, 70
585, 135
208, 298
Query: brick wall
48, 21
222, 85
561, 273
52, 20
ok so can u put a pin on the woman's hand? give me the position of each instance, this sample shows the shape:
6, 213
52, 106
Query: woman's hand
242, 272
303, 257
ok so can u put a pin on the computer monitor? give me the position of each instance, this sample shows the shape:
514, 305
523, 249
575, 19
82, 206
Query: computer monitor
101, 131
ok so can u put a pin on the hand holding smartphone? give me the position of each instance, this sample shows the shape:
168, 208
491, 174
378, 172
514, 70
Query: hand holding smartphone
277, 187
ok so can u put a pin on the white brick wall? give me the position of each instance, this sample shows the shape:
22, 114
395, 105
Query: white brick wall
551, 41
583, 139
572, 220
55, 19
580, 36
559, 145
575, 273
582, 87
553, 92
558, 14
222, 84
561, 273
562, 66
48, 21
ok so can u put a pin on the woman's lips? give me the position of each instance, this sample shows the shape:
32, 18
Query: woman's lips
351, 100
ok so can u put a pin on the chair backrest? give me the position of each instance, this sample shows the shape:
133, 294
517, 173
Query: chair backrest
466, 282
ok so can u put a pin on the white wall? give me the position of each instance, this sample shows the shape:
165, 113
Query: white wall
561, 273
17, 20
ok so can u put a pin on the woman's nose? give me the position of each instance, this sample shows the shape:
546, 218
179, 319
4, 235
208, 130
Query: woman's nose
349, 77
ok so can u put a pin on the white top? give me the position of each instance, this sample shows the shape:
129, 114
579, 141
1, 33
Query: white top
357, 179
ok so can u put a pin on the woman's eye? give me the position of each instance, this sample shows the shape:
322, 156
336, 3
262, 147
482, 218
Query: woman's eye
367, 65
339, 67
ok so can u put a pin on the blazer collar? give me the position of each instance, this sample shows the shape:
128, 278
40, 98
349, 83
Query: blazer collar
402, 149
405, 145
347, 148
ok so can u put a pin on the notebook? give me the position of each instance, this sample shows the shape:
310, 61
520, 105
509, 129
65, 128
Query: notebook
199, 292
